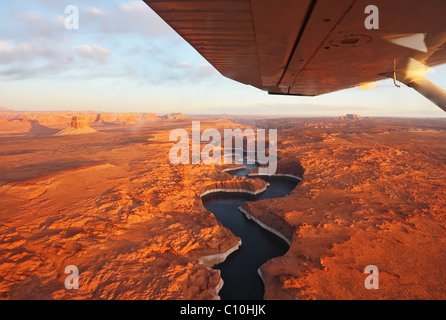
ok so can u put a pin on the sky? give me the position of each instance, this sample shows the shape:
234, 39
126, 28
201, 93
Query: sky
124, 58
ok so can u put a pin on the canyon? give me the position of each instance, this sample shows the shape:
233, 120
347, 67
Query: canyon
110, 202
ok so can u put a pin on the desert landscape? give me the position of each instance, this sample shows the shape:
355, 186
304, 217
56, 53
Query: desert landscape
97, 190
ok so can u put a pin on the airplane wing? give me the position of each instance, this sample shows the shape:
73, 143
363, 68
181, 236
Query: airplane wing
312, 47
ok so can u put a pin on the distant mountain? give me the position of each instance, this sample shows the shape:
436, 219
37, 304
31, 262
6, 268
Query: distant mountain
351, 117
175, 116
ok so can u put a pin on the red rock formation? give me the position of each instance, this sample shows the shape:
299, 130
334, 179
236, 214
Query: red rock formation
351, 117
373, 193
78, 125
175, 116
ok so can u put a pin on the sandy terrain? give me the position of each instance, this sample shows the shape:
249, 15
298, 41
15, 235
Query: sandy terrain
374, 193
111, 203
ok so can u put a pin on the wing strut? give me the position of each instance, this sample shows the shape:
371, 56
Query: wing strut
430, 90
415, 77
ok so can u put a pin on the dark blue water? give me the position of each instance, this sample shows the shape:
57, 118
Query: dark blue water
239, 271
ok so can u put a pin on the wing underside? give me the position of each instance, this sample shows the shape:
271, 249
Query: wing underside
309, 47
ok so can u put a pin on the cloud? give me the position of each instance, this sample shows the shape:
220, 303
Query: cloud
183, 64
26, 60
132, 17
164, 71
152, 54
206, 70
93, 19
95, 53
138, 17
26, 53
132, 6
5, 47
32, 25
94, 11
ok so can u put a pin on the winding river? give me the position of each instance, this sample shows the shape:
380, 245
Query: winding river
239, 270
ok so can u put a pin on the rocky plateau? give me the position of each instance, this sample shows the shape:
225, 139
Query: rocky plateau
373, 192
